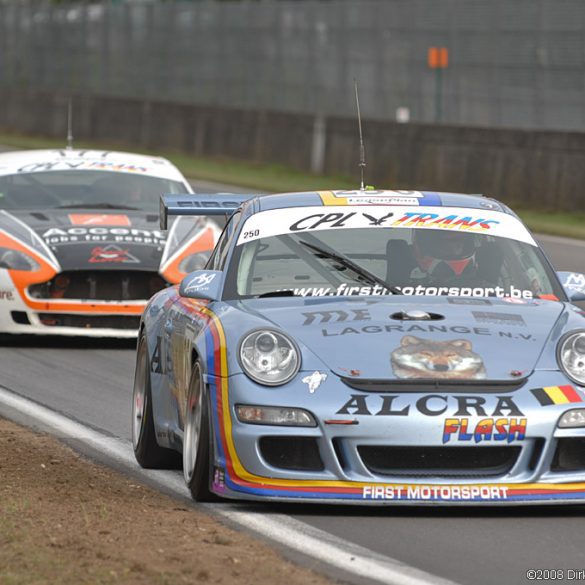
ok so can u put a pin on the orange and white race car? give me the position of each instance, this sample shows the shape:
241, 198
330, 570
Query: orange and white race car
81, 251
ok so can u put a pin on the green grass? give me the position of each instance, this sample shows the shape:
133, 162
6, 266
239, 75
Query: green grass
555, 223
278, 178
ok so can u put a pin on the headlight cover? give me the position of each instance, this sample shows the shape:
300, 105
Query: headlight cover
269, 357
17, 260
571, 356
275, 415
572, 419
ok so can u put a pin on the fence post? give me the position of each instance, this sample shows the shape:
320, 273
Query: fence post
318, 145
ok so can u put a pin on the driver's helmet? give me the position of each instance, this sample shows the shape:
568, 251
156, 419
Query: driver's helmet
444, 253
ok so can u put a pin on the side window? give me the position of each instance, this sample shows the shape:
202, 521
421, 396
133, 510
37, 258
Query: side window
218, 258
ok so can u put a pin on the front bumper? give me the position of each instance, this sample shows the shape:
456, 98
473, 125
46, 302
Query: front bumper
82, 318
448, 447
100, 313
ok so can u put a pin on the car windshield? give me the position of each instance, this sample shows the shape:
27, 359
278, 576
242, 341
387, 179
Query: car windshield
84, 190
489, 254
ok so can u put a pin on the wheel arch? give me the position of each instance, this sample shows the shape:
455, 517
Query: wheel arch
195, 355
198, 355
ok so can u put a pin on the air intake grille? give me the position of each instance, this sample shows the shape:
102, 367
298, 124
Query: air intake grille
294, 453
439, 461
435, 385
100, 285
89, 321
569, 455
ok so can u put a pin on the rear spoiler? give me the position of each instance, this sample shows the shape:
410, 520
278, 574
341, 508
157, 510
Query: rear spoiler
200, 204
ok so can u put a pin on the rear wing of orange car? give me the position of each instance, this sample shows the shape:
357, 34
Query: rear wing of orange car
200, 204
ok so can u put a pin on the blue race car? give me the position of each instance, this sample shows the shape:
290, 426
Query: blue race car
366, 347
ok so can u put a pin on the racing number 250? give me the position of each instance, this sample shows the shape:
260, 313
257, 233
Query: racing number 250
251, 234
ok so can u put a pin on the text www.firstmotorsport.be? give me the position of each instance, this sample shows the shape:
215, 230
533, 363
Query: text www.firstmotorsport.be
378, 290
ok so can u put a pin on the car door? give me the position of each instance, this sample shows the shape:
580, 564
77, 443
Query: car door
182, 327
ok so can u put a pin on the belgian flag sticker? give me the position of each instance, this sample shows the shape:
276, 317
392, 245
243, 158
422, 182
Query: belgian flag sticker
557, 395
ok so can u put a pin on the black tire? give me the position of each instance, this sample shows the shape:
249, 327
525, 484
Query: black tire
197, 440
147, 451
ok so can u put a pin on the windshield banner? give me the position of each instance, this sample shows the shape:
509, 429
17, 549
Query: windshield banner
293, 220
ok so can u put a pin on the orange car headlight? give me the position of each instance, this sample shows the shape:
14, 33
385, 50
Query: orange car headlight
17, 260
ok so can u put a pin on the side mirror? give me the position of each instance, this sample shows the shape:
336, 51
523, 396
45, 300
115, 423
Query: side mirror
202, 284
574, 285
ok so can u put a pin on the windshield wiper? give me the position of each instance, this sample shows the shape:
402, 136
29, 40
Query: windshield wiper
98, 206
277, 293
347, 263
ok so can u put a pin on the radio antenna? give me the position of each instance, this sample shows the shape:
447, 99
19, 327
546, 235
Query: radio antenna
69, 125
362, 164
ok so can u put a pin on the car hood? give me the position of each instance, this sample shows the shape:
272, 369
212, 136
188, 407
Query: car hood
466, 339
98, 239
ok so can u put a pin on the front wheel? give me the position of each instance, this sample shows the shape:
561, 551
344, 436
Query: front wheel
146, 449
197, 440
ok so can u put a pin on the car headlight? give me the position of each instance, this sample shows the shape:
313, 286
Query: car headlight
17, 260
572, 419
571, 355
194, 262
269, 357
275, 415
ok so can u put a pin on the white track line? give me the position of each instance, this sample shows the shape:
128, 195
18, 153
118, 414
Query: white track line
279, 528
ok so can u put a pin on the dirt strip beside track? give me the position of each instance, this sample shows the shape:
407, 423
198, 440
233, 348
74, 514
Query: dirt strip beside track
66, 520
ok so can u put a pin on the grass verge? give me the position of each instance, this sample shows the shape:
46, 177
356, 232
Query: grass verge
279, 178
569, 225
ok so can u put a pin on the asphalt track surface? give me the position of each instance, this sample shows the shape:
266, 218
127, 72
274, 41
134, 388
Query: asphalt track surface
91, 382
